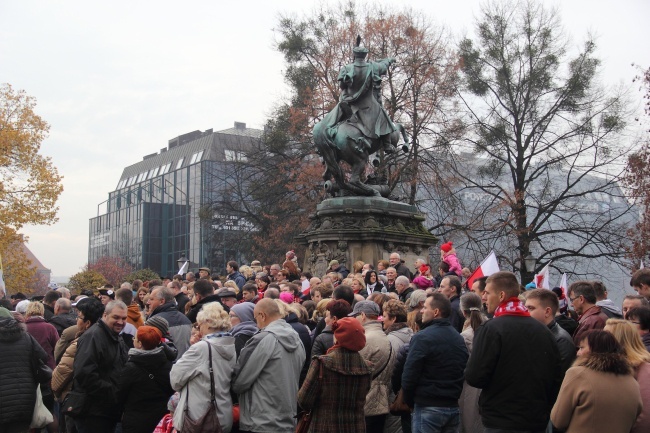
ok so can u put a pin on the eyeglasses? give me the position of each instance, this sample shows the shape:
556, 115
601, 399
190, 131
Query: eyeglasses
195, 326
574, 299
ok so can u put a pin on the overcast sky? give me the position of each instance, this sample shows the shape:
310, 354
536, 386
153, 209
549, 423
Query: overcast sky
116, 80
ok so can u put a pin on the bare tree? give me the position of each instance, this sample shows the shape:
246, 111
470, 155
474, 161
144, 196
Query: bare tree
547, 143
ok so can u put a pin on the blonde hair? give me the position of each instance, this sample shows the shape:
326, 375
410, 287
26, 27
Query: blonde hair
215, 317
283, 307
34, 308
628, 337
319, 312
357, 266
230, 284
246, 271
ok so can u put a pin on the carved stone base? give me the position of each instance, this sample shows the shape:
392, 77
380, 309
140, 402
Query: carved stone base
349, 229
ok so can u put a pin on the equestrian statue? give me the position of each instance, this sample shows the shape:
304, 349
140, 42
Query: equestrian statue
357, 127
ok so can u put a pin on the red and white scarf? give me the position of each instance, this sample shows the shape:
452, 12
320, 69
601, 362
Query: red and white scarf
511, 307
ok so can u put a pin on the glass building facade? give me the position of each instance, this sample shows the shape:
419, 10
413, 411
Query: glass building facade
166, 206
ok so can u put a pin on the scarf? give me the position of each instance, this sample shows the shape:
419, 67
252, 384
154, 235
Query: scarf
511, 307
371, 288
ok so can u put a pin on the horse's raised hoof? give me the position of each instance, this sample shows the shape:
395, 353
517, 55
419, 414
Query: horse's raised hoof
375, 161
405, 148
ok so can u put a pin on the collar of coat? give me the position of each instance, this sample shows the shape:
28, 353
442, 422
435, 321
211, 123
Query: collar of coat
606, 363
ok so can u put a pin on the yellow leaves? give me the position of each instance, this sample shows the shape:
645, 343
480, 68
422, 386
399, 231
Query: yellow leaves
29, 183
19, 273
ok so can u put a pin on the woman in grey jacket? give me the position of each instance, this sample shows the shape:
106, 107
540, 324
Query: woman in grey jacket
191, 376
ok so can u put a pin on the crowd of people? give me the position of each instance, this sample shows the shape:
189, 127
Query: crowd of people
381, 347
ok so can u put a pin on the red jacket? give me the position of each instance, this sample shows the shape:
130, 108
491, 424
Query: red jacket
593, 318
46, 336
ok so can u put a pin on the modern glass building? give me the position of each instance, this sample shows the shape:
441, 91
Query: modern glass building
166, 206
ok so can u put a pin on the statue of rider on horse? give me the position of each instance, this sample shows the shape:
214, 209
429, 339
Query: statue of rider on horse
358, 126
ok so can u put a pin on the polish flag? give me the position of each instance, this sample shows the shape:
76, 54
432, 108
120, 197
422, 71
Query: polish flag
541, 279
488, 267
564, 300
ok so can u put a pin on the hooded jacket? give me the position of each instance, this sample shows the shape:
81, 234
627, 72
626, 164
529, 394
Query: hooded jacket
180, 327
144, 389
610, 309
191, 376
242, 332
18, 350
266, 379
598, 394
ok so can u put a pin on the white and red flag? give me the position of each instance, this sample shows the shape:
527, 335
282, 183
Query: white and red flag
541, 279
564, 299
488, 267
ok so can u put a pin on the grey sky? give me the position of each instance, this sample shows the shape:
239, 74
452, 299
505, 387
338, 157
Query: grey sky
117, 80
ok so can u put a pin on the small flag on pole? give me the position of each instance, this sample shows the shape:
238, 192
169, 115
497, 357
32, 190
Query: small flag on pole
541, 279
488, 267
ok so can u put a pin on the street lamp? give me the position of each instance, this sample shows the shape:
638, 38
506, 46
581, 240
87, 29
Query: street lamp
181, 262
530, 261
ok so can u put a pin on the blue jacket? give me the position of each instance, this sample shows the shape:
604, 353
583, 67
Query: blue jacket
434, 369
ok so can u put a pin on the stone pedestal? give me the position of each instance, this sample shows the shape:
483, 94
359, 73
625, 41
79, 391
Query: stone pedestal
369, 229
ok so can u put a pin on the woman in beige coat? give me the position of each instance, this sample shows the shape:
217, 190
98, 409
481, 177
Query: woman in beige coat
599, 393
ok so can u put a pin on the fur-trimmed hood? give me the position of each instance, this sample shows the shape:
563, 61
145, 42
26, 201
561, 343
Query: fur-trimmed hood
606, 363
10, 329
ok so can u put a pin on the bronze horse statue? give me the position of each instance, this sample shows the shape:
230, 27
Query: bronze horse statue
357, 127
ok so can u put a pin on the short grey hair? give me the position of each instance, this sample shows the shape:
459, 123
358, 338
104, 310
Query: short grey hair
402, 280
113, 305
64, 292
126, 285
63, 304
163, 292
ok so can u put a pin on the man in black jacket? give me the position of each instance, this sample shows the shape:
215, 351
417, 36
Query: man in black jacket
542, 305
515, 361
432, 380
204, 294
101, 355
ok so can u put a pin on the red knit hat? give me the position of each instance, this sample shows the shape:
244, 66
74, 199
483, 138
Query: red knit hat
447, 247
149, 336
424, 269
349, 334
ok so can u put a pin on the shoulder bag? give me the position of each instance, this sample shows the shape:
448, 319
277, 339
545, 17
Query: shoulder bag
304, 417
209, 422
41, 416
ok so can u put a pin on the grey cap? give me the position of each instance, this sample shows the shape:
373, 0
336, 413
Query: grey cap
227, 294
366, 307
160, 323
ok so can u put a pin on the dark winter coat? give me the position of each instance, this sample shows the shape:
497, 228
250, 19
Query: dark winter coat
303, 333
564, 344
181, 300
433, 372
243, 332
402, 269
144, 389
238, 278
46, 336
456, 318
19, 352
323, 342
196, 308
516, 362
98, 364
180, 327
406, 294
63, 321
337, 400
343, 271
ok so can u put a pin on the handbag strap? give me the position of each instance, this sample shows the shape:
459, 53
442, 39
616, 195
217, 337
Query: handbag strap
390, 353
212, 393
213, 397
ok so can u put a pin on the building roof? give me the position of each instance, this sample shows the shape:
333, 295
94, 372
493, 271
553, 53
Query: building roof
190, 148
